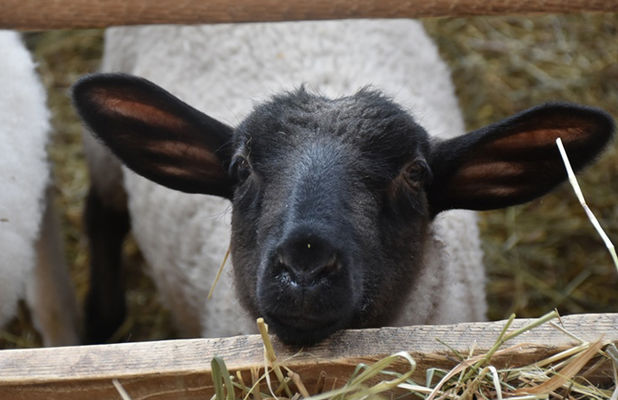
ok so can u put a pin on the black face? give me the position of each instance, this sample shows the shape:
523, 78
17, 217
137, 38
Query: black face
329, 212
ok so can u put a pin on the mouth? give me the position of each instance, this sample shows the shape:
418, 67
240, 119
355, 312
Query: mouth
302, 330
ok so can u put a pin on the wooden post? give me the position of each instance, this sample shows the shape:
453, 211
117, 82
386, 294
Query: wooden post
55, 14
180, 369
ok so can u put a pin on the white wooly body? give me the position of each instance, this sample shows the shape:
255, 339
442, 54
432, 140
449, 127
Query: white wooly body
24, 129
224, 70
31, 268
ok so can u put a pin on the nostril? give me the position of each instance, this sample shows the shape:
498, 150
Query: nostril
305, 260
330, 267
305, 274
282, 268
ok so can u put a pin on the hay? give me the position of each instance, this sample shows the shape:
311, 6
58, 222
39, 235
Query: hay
539, 256
580, 197
544, 254
560, 376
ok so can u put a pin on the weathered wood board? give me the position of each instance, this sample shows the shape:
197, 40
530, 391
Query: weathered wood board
180, 369
61, 14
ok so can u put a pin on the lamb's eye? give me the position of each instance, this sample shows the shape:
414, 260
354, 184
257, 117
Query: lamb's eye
240, 168
417, 173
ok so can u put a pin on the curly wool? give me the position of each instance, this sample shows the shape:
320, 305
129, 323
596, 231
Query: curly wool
224, 70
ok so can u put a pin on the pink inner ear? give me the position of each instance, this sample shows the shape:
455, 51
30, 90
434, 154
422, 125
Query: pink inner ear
485, 170
489, 177
473, 189
182, 172
181, 152
177, 154
120, 103
185, 158
541, 137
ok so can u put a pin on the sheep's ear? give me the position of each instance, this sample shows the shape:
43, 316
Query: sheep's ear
156, 134
515, 160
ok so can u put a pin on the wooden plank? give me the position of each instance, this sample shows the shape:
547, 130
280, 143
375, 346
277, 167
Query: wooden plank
54, 14
180, 369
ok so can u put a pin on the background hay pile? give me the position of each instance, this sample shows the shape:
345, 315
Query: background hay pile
544, 254
574, 374
539, 256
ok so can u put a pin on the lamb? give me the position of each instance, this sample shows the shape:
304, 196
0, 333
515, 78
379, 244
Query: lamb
350, 204
32, 262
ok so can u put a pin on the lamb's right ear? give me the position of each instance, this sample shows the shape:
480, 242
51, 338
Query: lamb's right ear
156, 134
515, 160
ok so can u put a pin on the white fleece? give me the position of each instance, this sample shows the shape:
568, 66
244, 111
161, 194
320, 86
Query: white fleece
224, 70
24, 129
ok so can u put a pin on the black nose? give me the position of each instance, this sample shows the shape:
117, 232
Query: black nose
305, 259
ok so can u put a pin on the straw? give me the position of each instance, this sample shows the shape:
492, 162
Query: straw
580, 196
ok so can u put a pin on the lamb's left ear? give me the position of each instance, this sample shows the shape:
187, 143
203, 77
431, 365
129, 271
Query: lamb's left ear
515, 160
156, 134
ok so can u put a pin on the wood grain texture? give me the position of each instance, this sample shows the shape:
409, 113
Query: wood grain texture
55, 14
180, 369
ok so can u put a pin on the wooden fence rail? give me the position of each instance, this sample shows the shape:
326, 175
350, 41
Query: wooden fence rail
55, 14
180, 369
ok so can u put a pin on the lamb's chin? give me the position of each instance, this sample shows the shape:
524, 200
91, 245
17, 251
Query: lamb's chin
302, 332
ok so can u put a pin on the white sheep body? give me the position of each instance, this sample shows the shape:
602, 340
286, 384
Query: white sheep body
224, 70
24, 129
32, 265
